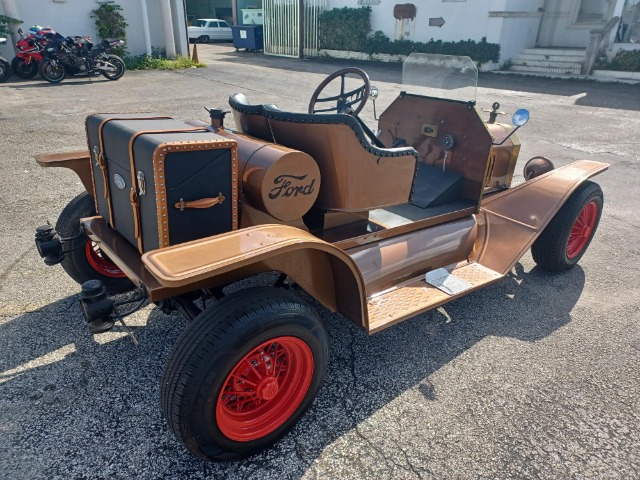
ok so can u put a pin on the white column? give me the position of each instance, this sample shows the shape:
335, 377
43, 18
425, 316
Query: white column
11, 10
167, 22
145, 26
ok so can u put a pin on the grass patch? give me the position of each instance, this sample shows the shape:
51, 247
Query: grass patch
155, 62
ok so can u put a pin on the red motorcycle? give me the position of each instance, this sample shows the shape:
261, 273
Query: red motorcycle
25, 63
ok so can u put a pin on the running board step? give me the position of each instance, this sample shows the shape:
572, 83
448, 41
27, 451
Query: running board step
416, 296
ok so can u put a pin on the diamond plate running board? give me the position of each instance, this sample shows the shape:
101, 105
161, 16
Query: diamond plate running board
416, 296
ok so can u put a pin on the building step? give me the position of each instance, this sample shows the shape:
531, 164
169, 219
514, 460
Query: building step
575, 52
546, 63
552, 58
526, 68
416, 296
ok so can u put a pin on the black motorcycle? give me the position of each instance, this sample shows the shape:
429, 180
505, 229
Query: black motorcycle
5, 67
79, 57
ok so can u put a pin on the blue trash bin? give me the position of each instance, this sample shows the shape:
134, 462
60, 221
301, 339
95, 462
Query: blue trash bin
248, 37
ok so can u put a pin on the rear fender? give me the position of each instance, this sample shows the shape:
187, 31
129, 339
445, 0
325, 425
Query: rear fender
323, 270
509, 222
79, 162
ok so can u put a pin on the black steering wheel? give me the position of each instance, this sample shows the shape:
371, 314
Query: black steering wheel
344, 101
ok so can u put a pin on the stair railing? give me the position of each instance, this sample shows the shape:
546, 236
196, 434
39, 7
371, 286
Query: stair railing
596, 45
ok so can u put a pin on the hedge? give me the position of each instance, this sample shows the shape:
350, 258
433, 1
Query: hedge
348, 29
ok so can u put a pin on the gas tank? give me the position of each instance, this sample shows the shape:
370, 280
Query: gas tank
277, 180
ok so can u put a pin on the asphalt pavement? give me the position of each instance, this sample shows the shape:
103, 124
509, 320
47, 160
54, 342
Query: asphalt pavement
535, 377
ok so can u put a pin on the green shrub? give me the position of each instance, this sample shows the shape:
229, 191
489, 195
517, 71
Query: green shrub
348, 29
156, 61
5, 22
625, 61
344, 28
111, 23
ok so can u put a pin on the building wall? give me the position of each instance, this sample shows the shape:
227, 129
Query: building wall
71, 17
511, 23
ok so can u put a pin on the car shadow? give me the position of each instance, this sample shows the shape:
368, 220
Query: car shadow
65, 393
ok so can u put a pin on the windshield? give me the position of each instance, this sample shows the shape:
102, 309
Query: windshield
441, 76
200, 23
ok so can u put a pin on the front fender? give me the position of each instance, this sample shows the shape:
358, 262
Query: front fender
509, 222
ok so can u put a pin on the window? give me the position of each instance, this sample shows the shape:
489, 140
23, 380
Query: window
213, 24
594, 11
199, 23
224, 25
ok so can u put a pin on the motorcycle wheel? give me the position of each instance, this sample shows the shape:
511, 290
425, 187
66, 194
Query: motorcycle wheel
120, 68
51, 73
24, 70
5, 70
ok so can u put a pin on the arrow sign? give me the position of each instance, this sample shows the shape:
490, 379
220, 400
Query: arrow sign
436, 22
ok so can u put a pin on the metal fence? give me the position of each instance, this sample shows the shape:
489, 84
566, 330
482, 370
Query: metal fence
287, 23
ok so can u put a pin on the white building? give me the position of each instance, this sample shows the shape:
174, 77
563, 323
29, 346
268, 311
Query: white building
517, 25
152, 23
514, 24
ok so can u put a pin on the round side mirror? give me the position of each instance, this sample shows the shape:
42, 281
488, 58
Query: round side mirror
520, 117
373, 92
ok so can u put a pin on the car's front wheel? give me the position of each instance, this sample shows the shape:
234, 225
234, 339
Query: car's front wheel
203, 39
566, 238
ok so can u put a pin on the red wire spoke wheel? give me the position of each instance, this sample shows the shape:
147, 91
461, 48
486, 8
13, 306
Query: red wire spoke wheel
582, 229
566, 238
244, 372
264, 389
83, 260
100, 263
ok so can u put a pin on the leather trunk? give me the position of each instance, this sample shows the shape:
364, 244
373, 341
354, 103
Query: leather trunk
161, 182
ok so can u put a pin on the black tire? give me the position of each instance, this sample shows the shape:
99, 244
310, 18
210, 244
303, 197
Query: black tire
117, 62
76, 261
5, 70
23, 70
552, 250
51, 73
203, 39
220, 341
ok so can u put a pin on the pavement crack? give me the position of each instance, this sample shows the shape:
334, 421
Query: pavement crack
380, 451
13, 264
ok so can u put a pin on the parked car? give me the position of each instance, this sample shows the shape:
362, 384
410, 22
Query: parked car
204, 30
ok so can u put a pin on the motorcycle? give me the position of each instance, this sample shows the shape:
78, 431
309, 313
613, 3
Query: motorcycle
5, 67
25, 63
77, 56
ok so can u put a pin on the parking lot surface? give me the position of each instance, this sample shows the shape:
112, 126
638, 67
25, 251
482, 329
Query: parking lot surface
535, 377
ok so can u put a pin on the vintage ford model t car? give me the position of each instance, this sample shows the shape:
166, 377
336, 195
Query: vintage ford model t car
376, 226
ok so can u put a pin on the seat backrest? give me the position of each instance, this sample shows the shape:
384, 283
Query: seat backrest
356, 176
250, 118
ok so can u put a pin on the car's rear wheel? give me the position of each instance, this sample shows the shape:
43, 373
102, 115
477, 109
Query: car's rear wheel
243, 373
203, 39
567, 237
83, 259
